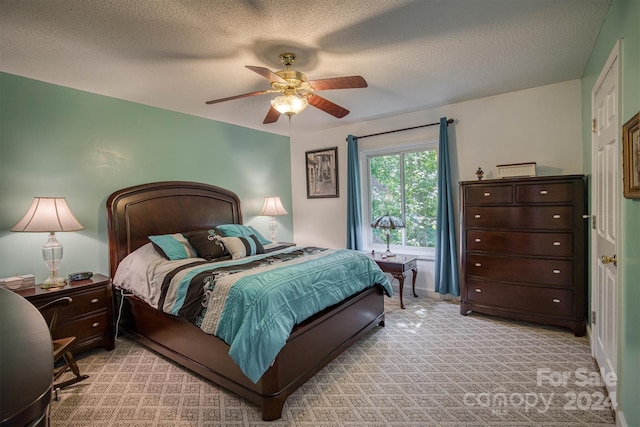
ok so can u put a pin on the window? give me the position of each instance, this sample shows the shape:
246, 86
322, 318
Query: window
403, 183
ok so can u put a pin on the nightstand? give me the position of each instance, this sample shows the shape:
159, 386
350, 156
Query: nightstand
89, 317
398, 266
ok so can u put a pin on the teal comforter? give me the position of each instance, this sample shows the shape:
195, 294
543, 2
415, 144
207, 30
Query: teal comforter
254, 310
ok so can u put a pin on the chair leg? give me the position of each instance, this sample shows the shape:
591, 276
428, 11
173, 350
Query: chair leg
71, 363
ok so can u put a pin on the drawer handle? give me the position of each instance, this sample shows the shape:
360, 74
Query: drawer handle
95, 325
556, 216
543, 192
477, 264
95, 300
556, 243
478, 240
487, 194
476, 216
478, 290
555, 300
556, 271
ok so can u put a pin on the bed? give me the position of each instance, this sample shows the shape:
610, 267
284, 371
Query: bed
160, 208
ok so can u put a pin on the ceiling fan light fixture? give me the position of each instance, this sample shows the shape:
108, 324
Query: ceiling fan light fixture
289, 104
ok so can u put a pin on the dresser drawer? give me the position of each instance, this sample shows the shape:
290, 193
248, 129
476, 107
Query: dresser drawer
535, 300
521, 217
521, 243
545, 193
522, 270
489, 195
84, 327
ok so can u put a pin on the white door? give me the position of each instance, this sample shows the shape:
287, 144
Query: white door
605, 202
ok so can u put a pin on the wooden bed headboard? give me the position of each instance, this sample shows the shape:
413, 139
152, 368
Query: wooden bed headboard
137, 212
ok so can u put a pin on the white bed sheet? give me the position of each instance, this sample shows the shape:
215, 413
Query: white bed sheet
143, 271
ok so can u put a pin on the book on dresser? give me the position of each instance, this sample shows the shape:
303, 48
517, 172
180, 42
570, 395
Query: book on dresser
523, 249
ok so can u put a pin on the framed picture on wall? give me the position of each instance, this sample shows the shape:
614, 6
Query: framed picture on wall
631, 157
322, 173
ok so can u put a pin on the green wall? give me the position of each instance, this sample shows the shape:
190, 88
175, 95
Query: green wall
622, 22
56, 141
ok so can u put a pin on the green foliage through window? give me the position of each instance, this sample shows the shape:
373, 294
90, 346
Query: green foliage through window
405, 185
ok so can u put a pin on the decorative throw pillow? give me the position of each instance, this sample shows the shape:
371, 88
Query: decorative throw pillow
240, 247
239, 230
207, 243
173, 246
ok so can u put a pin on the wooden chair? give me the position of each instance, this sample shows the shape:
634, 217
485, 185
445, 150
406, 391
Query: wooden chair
62, 346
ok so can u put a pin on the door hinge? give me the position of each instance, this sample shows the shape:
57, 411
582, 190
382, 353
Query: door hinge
593, 317
594, 125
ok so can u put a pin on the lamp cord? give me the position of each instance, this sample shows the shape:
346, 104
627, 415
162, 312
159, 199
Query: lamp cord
122, 296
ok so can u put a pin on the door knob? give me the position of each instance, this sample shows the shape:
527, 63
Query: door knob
607, 260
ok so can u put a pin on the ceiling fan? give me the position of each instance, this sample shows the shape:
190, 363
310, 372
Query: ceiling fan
297, 91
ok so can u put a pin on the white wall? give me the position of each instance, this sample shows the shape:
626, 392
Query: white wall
541, 125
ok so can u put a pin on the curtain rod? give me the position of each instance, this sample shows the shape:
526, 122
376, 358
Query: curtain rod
449, 121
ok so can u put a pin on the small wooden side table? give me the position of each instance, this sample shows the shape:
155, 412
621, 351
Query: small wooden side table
398, 266
89, 317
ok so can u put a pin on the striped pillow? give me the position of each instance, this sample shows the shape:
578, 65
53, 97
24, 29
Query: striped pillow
240, 247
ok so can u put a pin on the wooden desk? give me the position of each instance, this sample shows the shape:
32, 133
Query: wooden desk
27, 363
398, 266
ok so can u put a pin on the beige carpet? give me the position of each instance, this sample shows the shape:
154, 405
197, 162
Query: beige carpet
429, 366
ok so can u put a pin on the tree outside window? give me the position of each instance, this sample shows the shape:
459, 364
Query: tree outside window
405, 184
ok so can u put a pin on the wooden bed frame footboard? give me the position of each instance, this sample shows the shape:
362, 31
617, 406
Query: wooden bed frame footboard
311, 346
137, 212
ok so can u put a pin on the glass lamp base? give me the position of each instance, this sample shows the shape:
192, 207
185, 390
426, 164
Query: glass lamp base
52, 255
273, 227
53, 281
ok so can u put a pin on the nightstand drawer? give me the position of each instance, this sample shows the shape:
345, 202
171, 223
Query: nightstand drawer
83, 303
84, 327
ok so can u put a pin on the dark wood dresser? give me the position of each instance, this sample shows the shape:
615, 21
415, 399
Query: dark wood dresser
523, 249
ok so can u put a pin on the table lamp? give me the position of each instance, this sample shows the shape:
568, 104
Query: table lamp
272, 207
388, 222
48, 215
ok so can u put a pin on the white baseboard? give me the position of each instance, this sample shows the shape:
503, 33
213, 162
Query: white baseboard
620, 421
422, 292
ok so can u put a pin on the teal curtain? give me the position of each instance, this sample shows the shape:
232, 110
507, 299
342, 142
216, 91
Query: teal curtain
446, 274
354, 202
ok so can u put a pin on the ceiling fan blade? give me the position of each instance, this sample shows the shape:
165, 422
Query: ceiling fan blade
266, 73
350, 82
260, 92
327, 106
272, 116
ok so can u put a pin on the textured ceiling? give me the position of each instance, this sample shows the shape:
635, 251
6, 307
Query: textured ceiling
177, 54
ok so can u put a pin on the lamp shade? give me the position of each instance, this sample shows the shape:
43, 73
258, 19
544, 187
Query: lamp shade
388, 222
48, 214
272, 207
